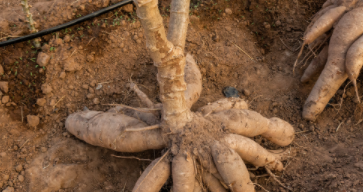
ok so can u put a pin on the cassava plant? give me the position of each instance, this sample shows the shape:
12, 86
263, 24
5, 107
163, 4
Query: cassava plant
30, 21
340, 58
209, 146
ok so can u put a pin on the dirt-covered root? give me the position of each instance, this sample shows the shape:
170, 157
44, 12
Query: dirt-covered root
250, 124
154, 176
109, 130
316, 66
143, 97
148, 117
252, 152
347, 31
232, 168
222, 105
212, 183
193, 78
354, 62
183, 172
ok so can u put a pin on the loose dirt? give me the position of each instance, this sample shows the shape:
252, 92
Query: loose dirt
250, 45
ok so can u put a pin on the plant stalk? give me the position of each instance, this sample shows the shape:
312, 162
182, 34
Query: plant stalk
30, 21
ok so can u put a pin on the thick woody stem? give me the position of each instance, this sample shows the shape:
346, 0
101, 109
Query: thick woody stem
30, 21
179, 20
170, 61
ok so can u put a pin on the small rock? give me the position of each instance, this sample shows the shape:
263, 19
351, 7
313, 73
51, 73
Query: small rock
1, 70
3, 154
99, 86
91, 90
312, 128
33, 121
85, 86
5, 99
67, 38
62, 75
41, 70
58, 41
46, 89
6, 177
301, 126
230, 92
90, 58
16, 147
228, 11
41, 101
90, 96
4, 86
105, 3
21, 178
267, 25
18, 168
52, 102
138, 41
43, 149
71, 87
96, 101
128, 8
45, 47
278, 23
43, 59
70, 65
93, 83
9, 189
246, 92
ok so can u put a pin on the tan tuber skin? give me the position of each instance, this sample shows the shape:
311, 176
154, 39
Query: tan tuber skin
346, 32
220, 150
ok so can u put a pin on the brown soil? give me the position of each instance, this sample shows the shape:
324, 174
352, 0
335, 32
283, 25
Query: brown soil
106, 52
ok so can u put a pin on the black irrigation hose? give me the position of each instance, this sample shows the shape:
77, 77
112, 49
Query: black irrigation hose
65, 25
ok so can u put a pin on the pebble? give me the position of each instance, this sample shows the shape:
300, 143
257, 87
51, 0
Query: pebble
15, 147
228, 11
5, 99
90, 96
99, 86
6, 177
246, 92
19, 168
230, 92
41, 101
85, 86
67, 38
62, 75
267, 25
138, 41
278, 23
41, 70
128, 8
46, 89
93, 83
4, 86
43, 149
70, 65
43, 59
91, 90
3, 154
33, 121
21, 178
96, 101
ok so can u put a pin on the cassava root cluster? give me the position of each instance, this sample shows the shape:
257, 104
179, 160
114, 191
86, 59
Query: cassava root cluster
340, 58
208, 148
